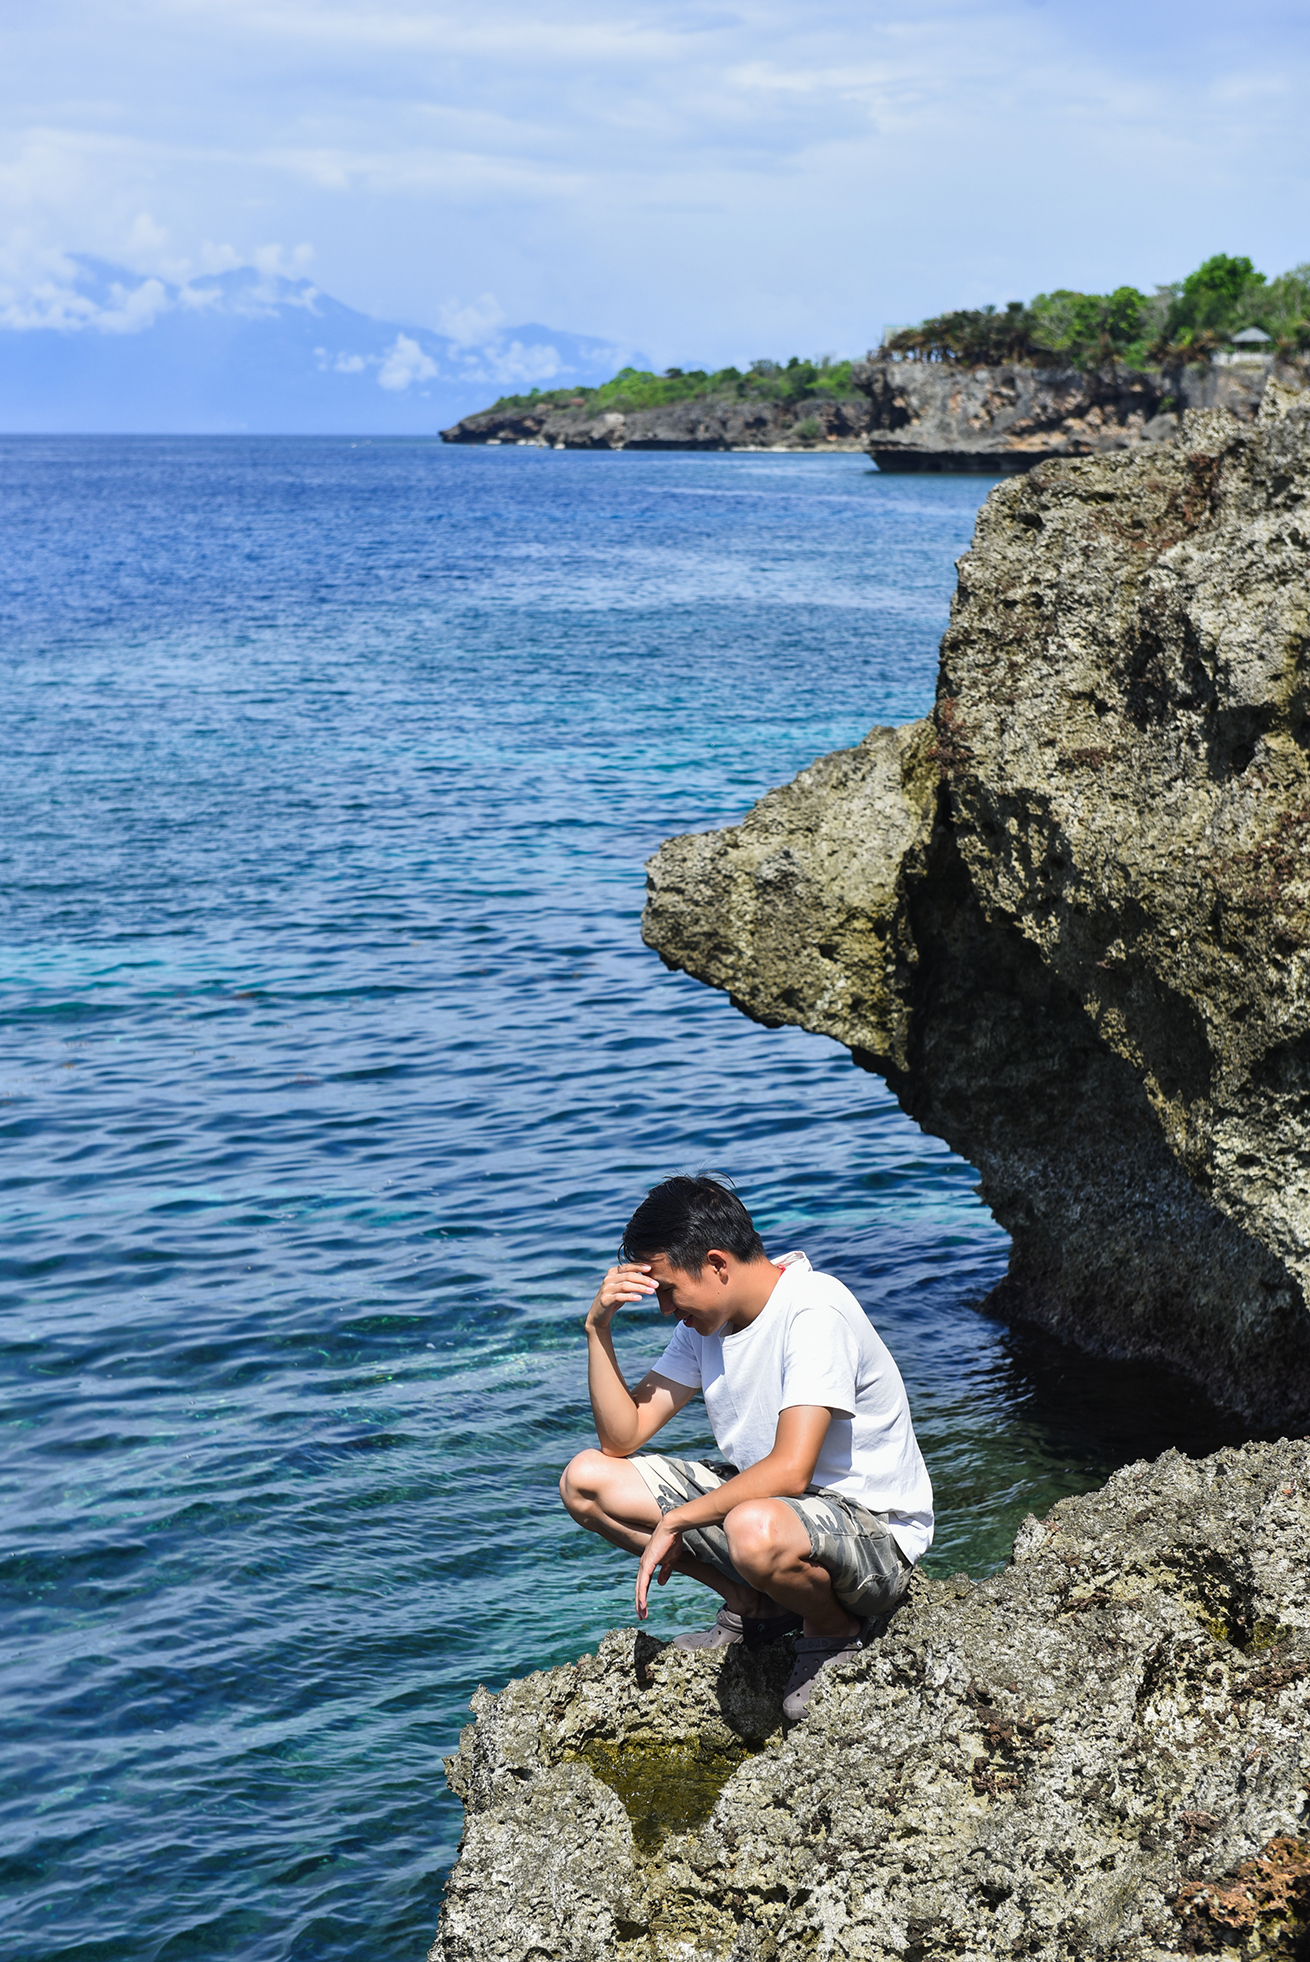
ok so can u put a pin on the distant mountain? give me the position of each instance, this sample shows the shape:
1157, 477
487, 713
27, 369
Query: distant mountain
110, 351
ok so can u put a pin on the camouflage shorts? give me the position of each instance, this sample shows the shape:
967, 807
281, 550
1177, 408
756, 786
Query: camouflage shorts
853, 1545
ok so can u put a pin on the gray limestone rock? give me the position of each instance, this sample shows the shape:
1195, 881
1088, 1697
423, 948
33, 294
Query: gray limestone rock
941, 416
1068, 917
909, 415
1102, 1751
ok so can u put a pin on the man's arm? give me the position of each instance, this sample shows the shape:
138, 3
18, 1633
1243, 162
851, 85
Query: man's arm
784, 1474
625, 1418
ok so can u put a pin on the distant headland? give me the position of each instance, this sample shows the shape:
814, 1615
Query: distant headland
983, 389
792, 405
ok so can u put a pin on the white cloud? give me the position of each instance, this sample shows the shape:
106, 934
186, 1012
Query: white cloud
471, 324
146, 236
275, 262
59, 304
705, 179
344, 364
404, 363
212, 258
516, 363
132, 308
45, 305
67, 297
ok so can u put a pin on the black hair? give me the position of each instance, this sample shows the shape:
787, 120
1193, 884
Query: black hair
682, 1218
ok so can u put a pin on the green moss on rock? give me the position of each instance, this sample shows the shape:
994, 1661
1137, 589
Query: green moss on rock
665, 1788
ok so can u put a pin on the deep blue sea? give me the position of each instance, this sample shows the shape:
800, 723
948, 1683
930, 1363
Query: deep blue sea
331, 1065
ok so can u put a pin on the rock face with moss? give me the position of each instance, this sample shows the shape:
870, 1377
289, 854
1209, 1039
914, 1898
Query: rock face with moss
1068, 916
1005, 417
1102, 1751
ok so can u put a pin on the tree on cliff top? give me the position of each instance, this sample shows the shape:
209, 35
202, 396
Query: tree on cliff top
1284, 310
1227, 294
1186, 321
635, 388
1092, 330
974, 336
1060, 329
1214, 294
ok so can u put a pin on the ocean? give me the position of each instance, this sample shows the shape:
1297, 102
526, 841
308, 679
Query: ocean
331, 1066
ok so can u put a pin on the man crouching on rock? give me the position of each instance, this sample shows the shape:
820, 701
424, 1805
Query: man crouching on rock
824, 1504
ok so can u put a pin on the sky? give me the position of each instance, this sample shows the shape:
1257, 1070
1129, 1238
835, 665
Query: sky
711, 183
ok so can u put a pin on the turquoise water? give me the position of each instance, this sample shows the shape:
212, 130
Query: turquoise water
331, 1065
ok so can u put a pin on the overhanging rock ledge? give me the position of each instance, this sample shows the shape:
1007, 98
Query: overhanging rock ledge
1068, 916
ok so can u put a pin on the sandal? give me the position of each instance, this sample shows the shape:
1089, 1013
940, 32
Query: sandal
814, 1653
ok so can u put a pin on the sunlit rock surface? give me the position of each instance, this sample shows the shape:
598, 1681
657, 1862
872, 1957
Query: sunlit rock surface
1102, 1751
935, 415
910, 415
1068, 917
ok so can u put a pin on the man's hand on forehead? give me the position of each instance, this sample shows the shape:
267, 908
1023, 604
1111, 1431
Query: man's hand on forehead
632, 1277
624, 1284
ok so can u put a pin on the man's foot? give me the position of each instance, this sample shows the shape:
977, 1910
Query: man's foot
757, 1630
725, 1634
730, 1628
813, 1653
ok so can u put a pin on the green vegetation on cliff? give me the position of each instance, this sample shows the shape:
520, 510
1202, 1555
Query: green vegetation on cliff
636, 388
1186, 321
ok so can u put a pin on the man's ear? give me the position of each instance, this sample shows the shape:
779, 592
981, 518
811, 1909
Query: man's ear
719, 1262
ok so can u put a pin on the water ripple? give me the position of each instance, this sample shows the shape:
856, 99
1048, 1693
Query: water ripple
330, 1066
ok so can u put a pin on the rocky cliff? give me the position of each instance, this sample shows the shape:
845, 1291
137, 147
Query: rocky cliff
1068, 916
932, 415
909, 415
1103, 1751
703, 422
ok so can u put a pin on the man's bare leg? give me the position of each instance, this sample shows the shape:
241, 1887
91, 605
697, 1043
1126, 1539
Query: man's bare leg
607, 1496
771, 1547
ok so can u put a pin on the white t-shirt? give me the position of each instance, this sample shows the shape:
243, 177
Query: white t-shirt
813, 1343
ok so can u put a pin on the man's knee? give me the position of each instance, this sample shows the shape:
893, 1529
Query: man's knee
757, 1533
580, 1485
600, 1492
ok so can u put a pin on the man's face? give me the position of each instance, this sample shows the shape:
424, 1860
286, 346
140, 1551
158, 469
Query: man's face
701, 1301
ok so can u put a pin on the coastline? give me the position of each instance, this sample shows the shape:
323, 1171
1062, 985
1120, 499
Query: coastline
832, 446
910, 416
